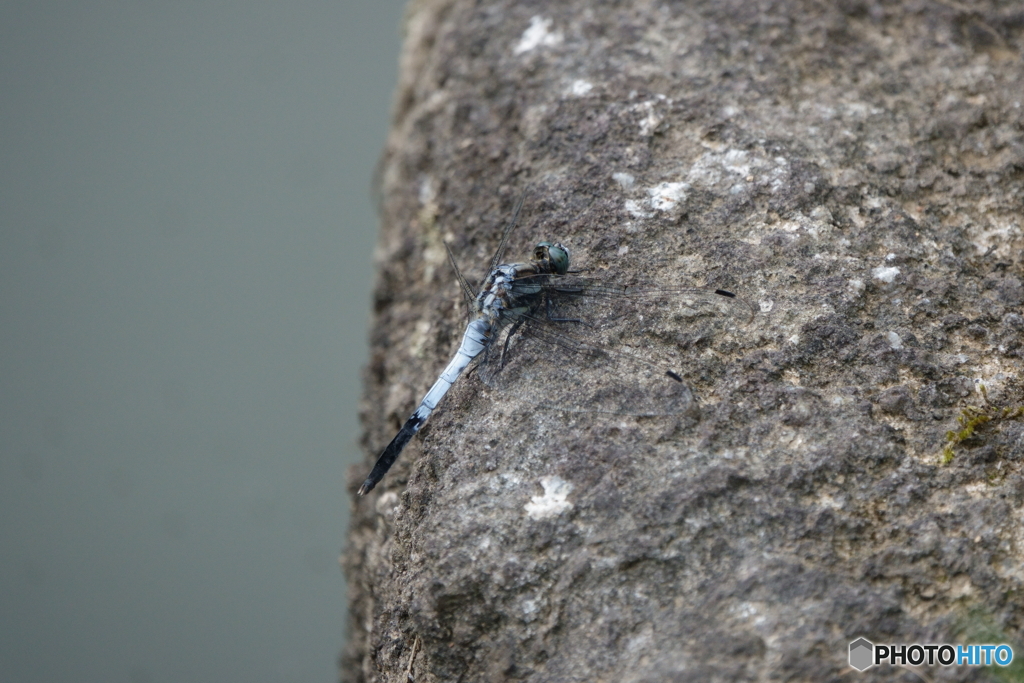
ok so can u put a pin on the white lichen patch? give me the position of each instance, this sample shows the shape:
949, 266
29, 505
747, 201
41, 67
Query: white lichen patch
428, 191
665, 196
856, 286
855, 215
1001, 237
990, 378
778, 174
895, 343
736, 161
860, 110
553, 502
739, 170
625, 180
873, 202
711, 167
579, 88
651, 121
827, 501
539, 34
815, 225
636, 209
885, 274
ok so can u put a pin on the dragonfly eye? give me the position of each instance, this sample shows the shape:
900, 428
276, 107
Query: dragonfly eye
555, 254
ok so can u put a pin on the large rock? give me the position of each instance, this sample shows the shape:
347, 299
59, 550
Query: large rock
854, 169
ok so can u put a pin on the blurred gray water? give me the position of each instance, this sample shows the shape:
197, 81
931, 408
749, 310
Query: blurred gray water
186, 229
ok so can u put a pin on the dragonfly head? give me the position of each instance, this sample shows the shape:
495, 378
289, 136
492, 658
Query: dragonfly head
554, 254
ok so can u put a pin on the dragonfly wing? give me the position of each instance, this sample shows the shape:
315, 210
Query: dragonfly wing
680, 316
547, 365
599, 347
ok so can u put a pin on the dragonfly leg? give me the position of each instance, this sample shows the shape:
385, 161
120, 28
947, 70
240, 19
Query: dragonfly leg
508, 338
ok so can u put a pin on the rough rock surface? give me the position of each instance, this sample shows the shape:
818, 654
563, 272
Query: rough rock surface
853, 168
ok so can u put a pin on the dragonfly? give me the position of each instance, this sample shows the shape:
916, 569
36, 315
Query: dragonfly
547, 335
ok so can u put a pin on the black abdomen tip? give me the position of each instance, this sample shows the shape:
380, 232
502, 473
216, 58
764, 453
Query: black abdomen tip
673, 375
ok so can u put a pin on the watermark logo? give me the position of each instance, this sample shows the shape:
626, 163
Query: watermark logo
865, 654
861, 653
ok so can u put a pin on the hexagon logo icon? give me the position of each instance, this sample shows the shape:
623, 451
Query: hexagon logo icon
861, 653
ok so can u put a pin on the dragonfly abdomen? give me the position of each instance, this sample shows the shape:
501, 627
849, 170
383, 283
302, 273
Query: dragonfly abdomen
474, 341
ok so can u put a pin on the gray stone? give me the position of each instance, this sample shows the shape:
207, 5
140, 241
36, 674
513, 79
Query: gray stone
854, 169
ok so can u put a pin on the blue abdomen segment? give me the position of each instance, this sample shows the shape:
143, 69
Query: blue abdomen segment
474, 341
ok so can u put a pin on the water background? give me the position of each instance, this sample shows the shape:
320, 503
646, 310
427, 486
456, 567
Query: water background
186, 230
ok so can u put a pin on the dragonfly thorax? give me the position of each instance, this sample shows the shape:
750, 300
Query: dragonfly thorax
500, 295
